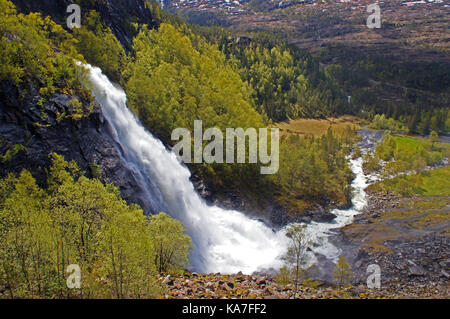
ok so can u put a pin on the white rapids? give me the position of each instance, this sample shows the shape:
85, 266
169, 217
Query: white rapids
319, 232
225, 241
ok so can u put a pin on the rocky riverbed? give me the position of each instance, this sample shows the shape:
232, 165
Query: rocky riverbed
411, 246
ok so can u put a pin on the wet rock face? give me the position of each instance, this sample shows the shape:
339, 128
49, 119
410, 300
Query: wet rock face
42, 129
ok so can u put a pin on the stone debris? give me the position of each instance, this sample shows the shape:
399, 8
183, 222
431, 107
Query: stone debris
217, 286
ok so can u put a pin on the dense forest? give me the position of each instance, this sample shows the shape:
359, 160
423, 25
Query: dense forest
286, 82
416, 94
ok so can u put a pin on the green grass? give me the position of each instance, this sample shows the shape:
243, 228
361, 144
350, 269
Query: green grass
409, 143
431, 183
318, 127
436, 182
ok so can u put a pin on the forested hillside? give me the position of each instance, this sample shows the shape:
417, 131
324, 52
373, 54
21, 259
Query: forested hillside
68, 218
400, 69
169, 84
77, 220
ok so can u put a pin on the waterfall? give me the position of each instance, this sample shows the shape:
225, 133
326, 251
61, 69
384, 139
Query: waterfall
225, 241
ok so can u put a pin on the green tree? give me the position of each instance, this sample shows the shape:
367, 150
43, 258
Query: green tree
284, 276
342, 272
419, 165
38, 51
170, 83
434, 138
81, 221
127, 254
26, 240
171, 244
295, 256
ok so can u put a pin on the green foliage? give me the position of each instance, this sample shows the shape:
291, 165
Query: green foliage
385, 150
177, 77
261, 5
76, 108
171, 244
429, 183
419, 164
371, 162
412, 93
99, 46
342, 274
204, 18
37, 51
286, 83
394, 168
80, 221
404, 153
295, 257
96, 170
314, 169
284, 276
434, 137
169, 84
380, 122
11, 152
437, 119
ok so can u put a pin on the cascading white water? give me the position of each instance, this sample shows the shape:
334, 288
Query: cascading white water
224, 241
319, 232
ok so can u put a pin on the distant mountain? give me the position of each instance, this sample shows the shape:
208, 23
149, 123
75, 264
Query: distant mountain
410, 30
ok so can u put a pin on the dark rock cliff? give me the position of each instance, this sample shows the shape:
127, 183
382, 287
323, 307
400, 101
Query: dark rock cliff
39, 127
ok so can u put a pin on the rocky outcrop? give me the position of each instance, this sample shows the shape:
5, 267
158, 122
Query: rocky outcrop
45, 126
